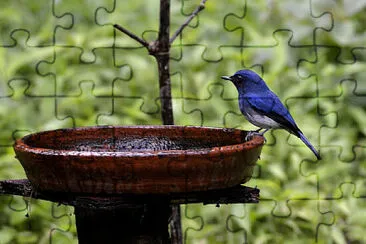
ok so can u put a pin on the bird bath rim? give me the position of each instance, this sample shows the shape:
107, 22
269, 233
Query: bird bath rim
22, 142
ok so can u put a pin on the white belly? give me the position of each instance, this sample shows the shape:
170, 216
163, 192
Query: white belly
260, 120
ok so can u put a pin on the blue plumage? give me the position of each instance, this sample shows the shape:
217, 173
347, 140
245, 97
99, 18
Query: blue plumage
262, 107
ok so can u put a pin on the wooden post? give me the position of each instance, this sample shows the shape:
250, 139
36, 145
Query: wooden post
144, 223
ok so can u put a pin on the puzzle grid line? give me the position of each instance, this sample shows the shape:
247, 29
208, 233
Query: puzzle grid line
110, 95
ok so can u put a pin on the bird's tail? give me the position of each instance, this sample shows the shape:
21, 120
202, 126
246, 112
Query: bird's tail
308, 144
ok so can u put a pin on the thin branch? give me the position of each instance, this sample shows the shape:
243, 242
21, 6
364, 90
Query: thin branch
130, 34
199, 8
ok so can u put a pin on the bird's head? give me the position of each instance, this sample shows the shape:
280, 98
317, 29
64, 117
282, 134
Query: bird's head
246, 80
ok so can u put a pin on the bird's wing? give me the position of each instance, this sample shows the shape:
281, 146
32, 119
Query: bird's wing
270, 105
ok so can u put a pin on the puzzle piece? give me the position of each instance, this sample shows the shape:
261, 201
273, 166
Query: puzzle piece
312, 218
347, 112
129, 111
348, 216
287, 216
304, 22
318, 67
64, 229
113, 11
98, 37
194, 83
212, 224
329, 182
17, 98
237, 224
31, 217
140, 78
196, 35
67, 78
196, 106
20, 17
19, 61
81, 107
8, 206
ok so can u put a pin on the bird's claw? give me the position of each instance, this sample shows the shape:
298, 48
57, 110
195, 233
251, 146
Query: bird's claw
251, 134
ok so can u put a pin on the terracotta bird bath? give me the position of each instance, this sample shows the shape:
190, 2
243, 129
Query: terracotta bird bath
158, 161
137, 159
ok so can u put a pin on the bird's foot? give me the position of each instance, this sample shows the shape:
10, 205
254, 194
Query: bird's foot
251, 134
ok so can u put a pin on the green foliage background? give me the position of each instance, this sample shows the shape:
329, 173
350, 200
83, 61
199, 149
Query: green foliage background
51, 76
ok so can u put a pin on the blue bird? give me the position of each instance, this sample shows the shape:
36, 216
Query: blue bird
261, 107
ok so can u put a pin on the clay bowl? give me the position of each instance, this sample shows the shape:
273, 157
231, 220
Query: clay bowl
137, 159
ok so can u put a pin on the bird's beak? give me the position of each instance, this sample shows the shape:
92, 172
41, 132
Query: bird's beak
226, 78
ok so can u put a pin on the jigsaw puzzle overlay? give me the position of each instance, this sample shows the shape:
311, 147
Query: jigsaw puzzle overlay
63, 65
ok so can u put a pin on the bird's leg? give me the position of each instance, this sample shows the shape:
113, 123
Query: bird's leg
262, 133
255, 132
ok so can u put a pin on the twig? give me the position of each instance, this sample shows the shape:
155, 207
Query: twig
199, 8
130, 34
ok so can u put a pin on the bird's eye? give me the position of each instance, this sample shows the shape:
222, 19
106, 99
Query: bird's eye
239, 76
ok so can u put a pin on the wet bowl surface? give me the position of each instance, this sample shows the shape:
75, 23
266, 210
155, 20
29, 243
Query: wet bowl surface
138, 159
